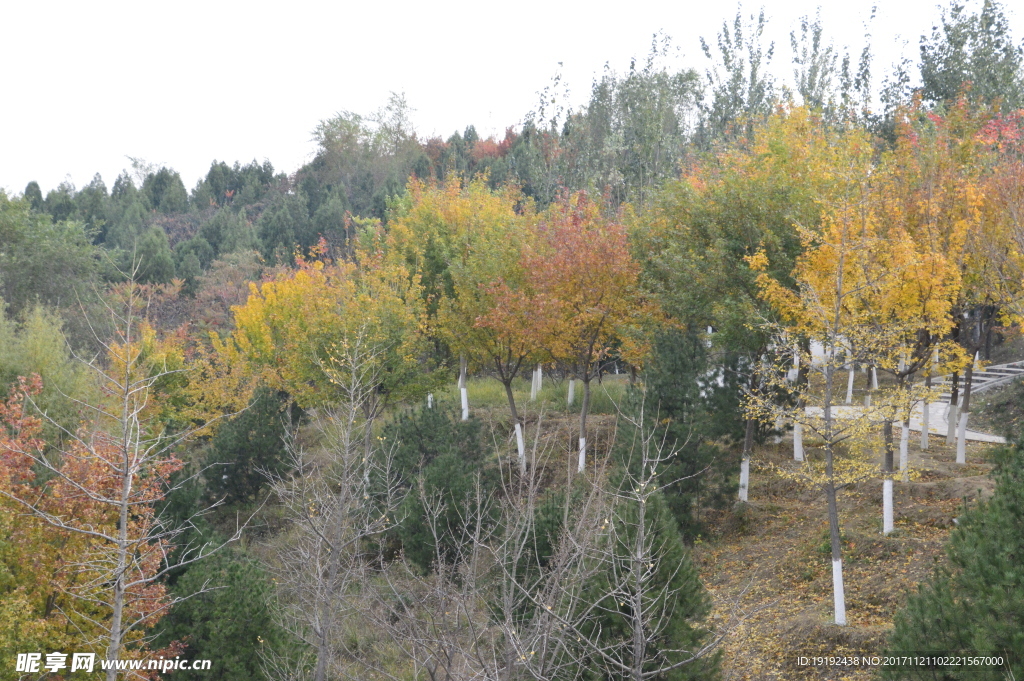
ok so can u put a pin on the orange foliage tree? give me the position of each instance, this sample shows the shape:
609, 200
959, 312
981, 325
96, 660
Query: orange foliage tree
586, 285
97, 501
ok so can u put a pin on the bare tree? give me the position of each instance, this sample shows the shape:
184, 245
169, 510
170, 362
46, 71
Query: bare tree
107, 479
338, 499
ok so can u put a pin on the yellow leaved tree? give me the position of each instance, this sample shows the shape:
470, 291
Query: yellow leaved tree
465, 241
325, 327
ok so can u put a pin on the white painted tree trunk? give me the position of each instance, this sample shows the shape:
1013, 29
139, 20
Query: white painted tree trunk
793, 374
904, 444
798, 442
874, 379
583, 455
961, 439
521, 446
533, 387
849, 386
540, 378
925, 425
887, 525
464, 393
572, 392
951, 418
430, 400
977, 361
838, 593
744, 478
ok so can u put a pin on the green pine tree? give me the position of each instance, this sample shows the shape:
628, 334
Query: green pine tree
974, 605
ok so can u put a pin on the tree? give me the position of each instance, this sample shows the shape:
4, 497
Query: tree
841, 262
43, 261
165, 192
284, 227
724, 210
153, 252
225, 614
973, 51
741, 87
698, 401
338, 504
37, 560
583, 277
465, 242
249, 449
105, 483
652, 594
973, 604
297, 330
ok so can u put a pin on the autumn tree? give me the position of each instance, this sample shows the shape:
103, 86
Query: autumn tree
841, 261
294, 333
465, 243
108, 478
585, 280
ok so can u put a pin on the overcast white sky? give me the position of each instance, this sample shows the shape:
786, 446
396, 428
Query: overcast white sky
182, 83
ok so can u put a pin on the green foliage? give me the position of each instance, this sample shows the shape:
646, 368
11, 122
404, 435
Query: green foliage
165, 192
60, 202
36, 345
283, 226
227, 617
228, 231
674, 585
125, 230
741, 85
975, 604
974, 49
42, 261
34, 195
236, 185
330, 219
153, 254
198, 247
438, 457
699, 403
250, 447
92, 207
634, 130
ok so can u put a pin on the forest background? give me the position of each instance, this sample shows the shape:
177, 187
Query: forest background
257, 421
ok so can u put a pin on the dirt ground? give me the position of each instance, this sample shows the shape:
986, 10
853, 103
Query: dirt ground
769, 569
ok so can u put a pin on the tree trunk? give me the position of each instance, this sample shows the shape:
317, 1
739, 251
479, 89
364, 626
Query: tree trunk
849, 386
583, 422
904, 444
798, 442
748, 444
117, 616
572, 392
838, 593
518, 425
887, 524
887, 465
954, 397
926, 416
464, 393
965, 410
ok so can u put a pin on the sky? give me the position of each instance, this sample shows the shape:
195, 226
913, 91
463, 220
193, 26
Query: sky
90, 85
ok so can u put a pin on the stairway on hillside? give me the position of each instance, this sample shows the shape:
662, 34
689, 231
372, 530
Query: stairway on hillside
984, 379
